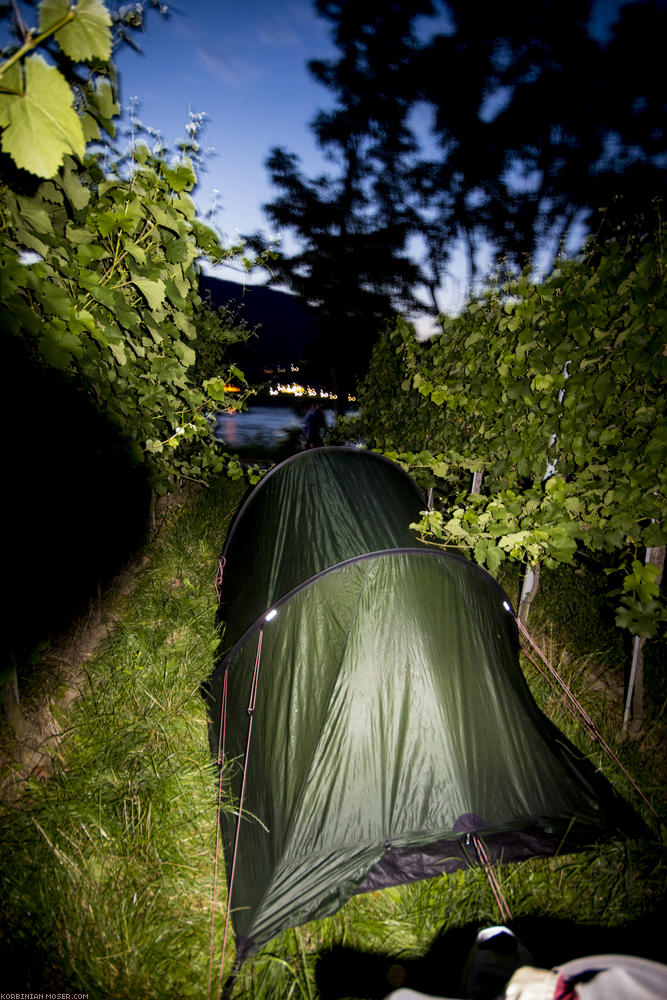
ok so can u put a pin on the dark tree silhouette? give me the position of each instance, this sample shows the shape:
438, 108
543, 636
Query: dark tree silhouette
535, 122
546, 122
353, 228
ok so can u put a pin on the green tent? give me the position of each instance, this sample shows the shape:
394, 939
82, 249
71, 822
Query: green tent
392, 729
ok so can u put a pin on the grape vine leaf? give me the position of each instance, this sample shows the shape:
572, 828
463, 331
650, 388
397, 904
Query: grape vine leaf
78, 193
12, 87
41, 124
107, 103
153, 291
87, 36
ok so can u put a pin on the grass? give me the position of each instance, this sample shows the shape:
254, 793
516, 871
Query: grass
106, 868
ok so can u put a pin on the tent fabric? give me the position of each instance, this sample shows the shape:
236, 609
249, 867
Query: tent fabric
392, 720
312, 511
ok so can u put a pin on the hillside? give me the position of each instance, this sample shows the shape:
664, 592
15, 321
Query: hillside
284, 329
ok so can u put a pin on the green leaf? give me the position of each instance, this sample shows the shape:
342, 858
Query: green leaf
184, 352
84, 321
481, 548
107, 104
175, 297
653, 536
88, 252
169, 220
113, 222
87, 36
185, 325
153, 291
180, 178
207, 239
51, 13
603, 386
91, 130
118, 351
59, 346
180, 251
641, 618
78, 193
42, 125
136, 252
185, 205
49, 192
515, 539
474, 337
12, 84
494, 557
76, 235
542, 383
215, 387
35, 215
440, 469
610, 435
57, 301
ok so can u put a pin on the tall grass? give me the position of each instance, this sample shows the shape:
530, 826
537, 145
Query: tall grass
106, 869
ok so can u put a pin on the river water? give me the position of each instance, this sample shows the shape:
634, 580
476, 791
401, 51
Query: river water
265, 426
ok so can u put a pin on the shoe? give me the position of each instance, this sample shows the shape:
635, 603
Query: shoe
496, 954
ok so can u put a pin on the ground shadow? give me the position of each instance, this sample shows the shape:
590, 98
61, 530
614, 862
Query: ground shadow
76, 504
346, 973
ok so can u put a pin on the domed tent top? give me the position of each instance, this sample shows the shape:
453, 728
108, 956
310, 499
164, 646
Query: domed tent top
315, 510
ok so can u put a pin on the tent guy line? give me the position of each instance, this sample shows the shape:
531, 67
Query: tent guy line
575, 707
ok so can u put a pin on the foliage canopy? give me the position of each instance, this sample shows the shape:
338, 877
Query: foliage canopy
100, 250
555, 391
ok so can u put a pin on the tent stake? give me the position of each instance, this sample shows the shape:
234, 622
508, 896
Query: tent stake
230, 980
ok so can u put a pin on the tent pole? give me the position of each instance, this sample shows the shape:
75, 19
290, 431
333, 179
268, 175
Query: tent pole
636, 646
634, 699
531, 582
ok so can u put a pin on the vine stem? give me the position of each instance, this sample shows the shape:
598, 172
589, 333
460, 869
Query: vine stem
108, 275
19, 21
33, 41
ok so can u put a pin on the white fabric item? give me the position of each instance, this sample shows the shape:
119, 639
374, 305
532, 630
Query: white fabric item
528, 983
617, 977
405, 994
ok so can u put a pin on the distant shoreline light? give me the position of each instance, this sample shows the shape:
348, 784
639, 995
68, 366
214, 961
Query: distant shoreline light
294, 389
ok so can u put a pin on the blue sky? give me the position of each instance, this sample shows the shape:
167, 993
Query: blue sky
244, 66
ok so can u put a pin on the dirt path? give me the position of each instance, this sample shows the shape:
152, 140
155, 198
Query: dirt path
30, 750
